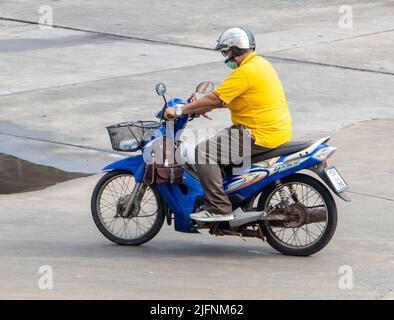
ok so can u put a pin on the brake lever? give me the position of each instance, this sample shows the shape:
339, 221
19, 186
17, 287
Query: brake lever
193, 116
191, 97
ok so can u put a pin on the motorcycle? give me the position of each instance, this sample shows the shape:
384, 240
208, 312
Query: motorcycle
294, 212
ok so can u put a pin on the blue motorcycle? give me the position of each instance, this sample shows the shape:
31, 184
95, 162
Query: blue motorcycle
294, 212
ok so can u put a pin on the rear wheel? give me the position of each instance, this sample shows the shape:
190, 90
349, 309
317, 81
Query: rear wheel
306, 196
108, 205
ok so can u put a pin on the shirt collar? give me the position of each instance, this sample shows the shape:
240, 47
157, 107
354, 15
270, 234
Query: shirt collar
248, 57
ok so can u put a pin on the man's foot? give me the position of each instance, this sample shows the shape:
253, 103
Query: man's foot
205, 216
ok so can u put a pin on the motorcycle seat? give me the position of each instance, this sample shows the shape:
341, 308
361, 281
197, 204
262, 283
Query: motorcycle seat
282, 150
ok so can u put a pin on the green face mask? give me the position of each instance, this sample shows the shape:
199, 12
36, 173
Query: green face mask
231, 63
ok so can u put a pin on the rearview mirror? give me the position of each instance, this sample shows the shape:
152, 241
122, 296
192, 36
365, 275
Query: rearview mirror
205, 87
161, 89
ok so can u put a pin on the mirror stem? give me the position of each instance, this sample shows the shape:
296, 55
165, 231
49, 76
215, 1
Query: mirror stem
164, 109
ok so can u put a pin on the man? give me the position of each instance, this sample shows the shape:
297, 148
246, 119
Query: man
255, 97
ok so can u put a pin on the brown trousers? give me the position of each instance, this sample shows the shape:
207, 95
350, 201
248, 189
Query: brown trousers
229, 145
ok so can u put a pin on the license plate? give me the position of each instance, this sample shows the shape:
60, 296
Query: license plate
336, 179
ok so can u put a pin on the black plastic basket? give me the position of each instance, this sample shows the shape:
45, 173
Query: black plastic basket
129, 136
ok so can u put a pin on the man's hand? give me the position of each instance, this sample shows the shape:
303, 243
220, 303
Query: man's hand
170, 114
203, 105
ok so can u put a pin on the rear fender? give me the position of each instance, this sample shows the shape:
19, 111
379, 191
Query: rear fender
319, 170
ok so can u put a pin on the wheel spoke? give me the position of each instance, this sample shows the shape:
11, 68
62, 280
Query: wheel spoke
135, 227
311, 200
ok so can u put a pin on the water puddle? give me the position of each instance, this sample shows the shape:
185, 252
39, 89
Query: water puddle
17, 175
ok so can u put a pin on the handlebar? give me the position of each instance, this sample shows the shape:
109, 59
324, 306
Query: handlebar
172, 104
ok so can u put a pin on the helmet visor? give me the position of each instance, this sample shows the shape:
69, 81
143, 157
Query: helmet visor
221, 47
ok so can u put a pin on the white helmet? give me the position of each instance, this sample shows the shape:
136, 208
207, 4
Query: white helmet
240, 38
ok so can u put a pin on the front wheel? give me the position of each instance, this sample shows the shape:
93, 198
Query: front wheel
108, 205
309, 197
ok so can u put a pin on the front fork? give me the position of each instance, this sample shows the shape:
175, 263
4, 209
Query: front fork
134, 200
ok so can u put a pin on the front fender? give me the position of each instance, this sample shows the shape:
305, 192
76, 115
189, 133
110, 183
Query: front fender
134, 164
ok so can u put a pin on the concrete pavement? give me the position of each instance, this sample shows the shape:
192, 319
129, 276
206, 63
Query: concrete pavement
53, 227
65, 85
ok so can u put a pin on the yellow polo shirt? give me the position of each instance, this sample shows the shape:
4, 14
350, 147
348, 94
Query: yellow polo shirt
256, 99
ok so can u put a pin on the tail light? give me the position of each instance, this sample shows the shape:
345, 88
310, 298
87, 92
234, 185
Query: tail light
324, 153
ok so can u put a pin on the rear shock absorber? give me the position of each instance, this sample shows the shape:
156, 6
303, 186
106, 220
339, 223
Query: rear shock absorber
278, 184
293, 193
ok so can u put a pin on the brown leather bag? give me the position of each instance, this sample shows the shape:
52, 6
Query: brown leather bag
163, 167
171, 174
